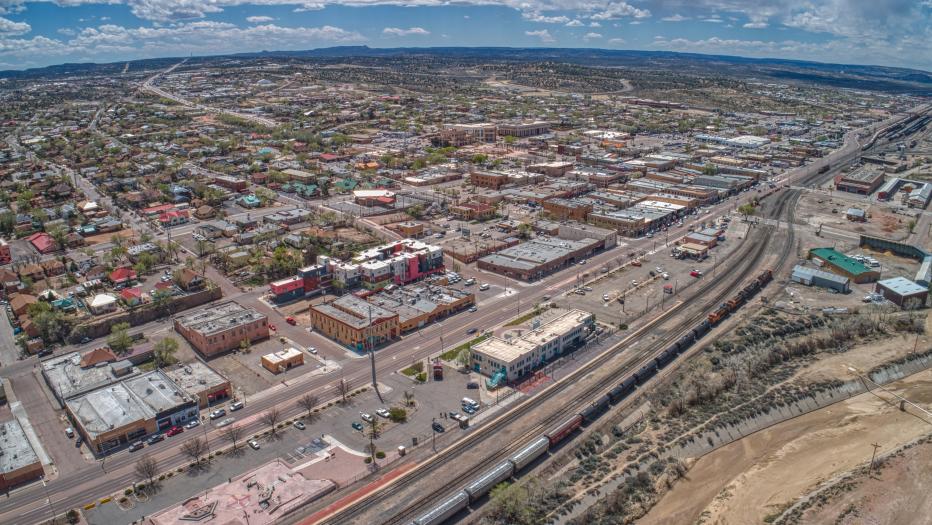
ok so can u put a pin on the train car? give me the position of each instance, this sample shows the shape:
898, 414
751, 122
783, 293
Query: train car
735, 302
621, 391
765, 277
686, 341
629, 383
718, 314
564, 429
646, 372
486, 482
529, 453
593, 411
444, 510
665, 357
701, 329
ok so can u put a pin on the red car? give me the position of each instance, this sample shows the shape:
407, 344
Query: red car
272, 327
290, 320
695, 273
174, 430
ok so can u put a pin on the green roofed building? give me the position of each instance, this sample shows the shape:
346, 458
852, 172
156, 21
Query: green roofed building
837, 262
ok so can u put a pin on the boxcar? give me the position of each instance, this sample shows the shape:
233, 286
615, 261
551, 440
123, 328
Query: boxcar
536, 449
444, 510
564, 429
484, 483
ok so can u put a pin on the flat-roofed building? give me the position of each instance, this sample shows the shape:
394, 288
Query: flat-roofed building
201, 382
471, 211
577, 231
539, 257
814, 277
68, 376
354, 322
464, 134
523, 129
283, 360
19, 463
116, 415
516, 357
222, 327
904, 293
861, 182
567, 209
488, 179
841, 264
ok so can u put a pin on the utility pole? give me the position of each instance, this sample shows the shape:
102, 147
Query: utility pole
873, 455
48, 498
375, 384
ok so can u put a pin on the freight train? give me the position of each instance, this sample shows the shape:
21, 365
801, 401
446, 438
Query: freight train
483, 484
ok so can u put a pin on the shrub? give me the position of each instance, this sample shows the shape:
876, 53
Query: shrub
367, 460
127, 492
379, 454
72, 516
422, 377
397, 414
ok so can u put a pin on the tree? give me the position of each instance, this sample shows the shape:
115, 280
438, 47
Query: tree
194, 449
373, 434
271, 417
343, 389
746, 210
408, 397
147, 468
120, 340
511, 503
709, 169
464, 357
911, 225
308, 402
164, 351
245, 345
232, 433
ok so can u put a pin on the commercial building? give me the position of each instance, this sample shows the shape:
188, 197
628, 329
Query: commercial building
860, 182
504, 360
488, 179
577, 231
201, 382
19, 463
523, 129
72, 374
903, 292
568, 209
744, 141
538, 257
222, 327
464, 134
472, 211
422, 303
354, 322
111, 417
283, 360
841, 264
814, 277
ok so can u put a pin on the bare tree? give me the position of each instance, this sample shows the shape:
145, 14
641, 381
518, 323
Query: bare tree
308, 402
343, 389
271, 417
147, 468
373, 434
409, 398
233, 434
195, 449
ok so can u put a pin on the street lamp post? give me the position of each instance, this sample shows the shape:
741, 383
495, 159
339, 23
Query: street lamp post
48, 498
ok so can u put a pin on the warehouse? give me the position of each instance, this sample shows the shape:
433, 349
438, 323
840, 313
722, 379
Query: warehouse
538, 257
18, 461
860, 182
841, 264
814, 277
903, 292
506, 360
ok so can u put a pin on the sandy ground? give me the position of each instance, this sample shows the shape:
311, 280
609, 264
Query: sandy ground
863, 357
897, 495
761, 475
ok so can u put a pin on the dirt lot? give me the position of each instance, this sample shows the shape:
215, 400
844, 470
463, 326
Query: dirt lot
815, 209
245, 370
896, 495
759, 476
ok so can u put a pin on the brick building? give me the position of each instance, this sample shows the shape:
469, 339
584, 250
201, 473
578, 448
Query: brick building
353, 321
222, 327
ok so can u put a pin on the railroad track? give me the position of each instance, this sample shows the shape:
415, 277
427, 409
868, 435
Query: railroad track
749, 259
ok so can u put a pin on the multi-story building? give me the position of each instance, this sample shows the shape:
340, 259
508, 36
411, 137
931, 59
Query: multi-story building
222, 327
567, 209
488, 179
507, 360
464, 134
471, 211
523, 129
539, 257
355, 323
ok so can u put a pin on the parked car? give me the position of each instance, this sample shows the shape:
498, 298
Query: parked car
357, 426
217, 414
85, 340
382, 412
136, 446
695, 273
155, 439
469, 409
437, 427
290, 320
174, 431
366, 417
236, 406
225, 422
472, 385
483, 287
254, 444
272, 327
605, 297
473, 309
312, 350
191, 424
298, 425
77, 442
69, 432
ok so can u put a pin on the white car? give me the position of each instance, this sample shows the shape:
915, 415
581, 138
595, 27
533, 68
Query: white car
254, 444
605, 297
366, 417
382, 412
191, 424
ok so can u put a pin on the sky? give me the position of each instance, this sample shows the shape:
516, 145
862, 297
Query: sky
881, 32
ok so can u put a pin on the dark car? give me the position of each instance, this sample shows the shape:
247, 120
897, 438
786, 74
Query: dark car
77, 442
437, 427
357, 426
136, 446
472, 385
155, 439
472, 331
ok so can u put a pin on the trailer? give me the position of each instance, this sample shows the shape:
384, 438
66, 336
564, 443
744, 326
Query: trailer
529, 453
444, 510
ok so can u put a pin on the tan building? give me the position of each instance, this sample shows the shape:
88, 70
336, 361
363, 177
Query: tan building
488, 179
523, 129
222, 327
354, 322
18, 461
410, 229
201, 382
283, 360
464, 134
469, 211
564, 209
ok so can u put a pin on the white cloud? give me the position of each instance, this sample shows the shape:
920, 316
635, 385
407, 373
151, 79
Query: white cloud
755, 25
616, 10
541, 19
616, 41
397, 31
594, 24
259, 19
574, 23
542, 34
712, 20
592, 36
675, 18
10, 28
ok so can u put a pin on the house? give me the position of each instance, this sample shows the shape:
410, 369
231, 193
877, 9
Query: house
96, 356
42, 242
33, 271
205, 212
249, 201
122, 275
53, 267
102, 303
174, 218
189, 280
20, 303
131, 296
